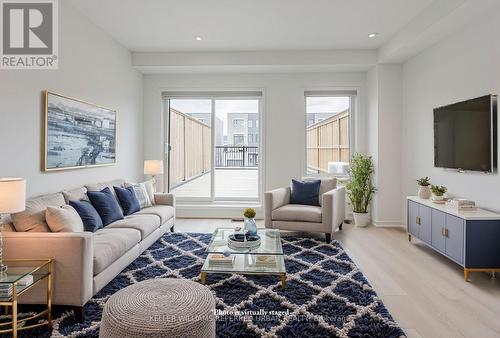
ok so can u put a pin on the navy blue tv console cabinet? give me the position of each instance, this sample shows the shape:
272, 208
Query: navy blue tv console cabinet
469, 238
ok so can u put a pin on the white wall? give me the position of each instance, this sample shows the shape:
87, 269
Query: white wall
463, 66
384, 109
389, 146
372, 93
284, 110
92, 67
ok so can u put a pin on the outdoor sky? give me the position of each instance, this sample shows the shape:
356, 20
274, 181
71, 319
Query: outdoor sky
222, 107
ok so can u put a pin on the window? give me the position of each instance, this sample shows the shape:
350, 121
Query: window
238, 123
239, 140
330, 140
250, 123
256, 123
206, 151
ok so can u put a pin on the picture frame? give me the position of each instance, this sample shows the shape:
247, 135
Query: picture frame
78, 134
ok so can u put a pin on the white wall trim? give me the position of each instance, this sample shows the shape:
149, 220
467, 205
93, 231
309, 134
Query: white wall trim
395, 224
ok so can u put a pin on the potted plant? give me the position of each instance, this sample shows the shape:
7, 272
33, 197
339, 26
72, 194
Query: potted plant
250, 224
438, 192
360, 189
424, 190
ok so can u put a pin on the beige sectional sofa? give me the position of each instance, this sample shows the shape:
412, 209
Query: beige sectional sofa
84, 261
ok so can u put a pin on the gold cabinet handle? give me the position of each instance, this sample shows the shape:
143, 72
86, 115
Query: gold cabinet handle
417, 220
442, 232
446, 232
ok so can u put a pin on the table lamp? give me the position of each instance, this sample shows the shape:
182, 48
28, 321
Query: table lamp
153, 168
12, 200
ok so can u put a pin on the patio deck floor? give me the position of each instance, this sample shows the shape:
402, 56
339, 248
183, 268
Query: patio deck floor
229, 183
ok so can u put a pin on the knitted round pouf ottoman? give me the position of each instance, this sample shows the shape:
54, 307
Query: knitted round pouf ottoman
160, 308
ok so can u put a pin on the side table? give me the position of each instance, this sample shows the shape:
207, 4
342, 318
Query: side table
18, 269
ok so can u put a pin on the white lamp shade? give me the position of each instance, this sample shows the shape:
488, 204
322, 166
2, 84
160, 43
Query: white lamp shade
12, 195
153, 167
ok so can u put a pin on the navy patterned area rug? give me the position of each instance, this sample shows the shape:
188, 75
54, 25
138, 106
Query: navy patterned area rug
326, 294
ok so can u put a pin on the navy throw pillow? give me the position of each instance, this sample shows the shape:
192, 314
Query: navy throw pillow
305, 192
90, 218
128, 200
106, 205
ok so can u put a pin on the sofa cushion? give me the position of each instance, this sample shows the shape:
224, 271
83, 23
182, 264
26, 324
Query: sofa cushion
111, 244
63, 219
305, 192
101, 185
128, 200
33, 217
106, 205
298, 213
146, 224
90, 218
146, 186
327, 183
77, 194
164, 212
141, 194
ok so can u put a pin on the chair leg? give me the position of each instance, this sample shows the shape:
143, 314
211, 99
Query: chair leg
172, 228
328, 238
79, 314
340, 226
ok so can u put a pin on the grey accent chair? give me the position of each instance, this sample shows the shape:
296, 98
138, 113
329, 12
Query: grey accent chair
326, 218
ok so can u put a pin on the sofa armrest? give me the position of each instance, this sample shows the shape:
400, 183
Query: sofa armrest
165, 199
274, 199
73, 255
333, 208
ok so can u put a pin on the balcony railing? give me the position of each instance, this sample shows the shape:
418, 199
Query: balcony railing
236, 157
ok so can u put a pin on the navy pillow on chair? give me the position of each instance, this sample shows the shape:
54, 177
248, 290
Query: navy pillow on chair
90, 218
106, 205
305, 192
128, 200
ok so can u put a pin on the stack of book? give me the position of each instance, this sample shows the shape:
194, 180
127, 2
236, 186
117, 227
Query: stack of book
220, 260
461, 204
6, 290
266, 260
25, 281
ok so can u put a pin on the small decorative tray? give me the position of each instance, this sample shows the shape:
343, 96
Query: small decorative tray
243, 242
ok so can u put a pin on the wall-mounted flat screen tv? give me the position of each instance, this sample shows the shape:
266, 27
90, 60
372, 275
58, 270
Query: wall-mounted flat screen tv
465, 135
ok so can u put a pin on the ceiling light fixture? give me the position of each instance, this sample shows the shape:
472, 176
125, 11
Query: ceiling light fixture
372, 35
198, 38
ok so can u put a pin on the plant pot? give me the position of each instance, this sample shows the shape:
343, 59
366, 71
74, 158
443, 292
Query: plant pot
437, 197
361, 219
424, 192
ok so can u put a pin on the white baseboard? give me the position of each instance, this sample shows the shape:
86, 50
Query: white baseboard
393, 224
215, 210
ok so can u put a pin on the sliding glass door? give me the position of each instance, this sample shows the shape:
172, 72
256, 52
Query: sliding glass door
214, 147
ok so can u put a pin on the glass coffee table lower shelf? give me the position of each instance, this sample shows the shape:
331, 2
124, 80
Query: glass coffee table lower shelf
267, 259
17, 271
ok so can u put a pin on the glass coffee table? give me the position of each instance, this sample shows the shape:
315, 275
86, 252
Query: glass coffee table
14, 279
266, 259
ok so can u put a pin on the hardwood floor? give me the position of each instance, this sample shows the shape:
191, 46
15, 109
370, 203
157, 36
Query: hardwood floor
425, 292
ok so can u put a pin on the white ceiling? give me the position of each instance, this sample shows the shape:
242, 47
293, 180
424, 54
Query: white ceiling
256, 25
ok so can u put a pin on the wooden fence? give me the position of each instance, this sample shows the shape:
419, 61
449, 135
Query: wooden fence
328, 141
190, 155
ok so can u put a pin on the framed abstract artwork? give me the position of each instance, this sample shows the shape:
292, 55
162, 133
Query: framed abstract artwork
78, 134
